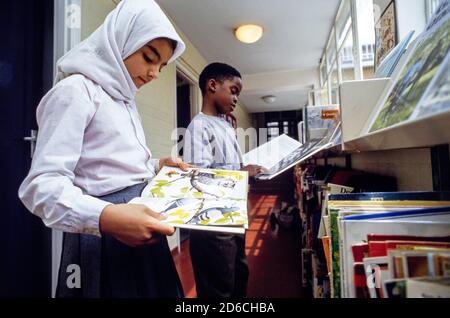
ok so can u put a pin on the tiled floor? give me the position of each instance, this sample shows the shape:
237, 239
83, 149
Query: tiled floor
273, 256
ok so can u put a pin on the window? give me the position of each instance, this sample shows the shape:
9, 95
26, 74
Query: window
331, 52
272, 130
324, 94
343, 22
355, 24
323, 72
366, 33
338, 54
286, 127
347, 59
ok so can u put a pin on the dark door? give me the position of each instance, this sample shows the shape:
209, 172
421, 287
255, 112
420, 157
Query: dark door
183, 107
26, 58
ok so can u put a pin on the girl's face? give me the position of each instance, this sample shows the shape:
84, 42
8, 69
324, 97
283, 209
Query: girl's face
145, 64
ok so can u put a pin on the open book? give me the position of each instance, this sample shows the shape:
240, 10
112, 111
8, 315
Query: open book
284, 152
202, 199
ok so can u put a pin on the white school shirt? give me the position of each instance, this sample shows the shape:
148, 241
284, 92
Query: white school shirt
210, 142
88, 145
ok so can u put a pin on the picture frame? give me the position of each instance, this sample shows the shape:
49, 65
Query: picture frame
385, 33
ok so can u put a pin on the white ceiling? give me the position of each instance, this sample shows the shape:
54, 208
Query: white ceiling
295, 32
287, 100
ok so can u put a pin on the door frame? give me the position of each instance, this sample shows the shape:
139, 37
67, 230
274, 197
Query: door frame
186, 71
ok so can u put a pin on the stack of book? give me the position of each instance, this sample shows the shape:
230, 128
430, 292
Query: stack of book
313, 186
382, 241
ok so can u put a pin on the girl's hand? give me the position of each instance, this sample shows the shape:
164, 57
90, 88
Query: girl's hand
174, 162
252, 170
133, 224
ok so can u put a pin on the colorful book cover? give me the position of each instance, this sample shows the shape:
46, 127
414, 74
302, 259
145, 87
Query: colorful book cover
388, 64
376, 269
360, 251
421, 262
418, 262
419, 214
356, 231
326, 241
380, 248
442, 265
423, 63
436, 98
330, 188
349, 208
386, 237
360, 281
381, 198
335, 259
395, 288
202, 199
396, 264
320, 121
428, 287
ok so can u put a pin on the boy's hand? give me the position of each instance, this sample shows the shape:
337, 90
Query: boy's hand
174, 162
252, 170
133, 224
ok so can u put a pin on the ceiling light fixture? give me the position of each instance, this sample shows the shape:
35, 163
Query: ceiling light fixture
269, 99
249, 33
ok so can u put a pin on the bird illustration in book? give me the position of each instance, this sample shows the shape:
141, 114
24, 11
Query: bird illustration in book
201, 215
206, 182
197, 183
178, 203
213, 213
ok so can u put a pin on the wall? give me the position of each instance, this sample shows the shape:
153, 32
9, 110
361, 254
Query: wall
93, 12
244, 119
410, 16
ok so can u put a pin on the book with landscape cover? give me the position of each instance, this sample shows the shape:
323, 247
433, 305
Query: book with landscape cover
425, 60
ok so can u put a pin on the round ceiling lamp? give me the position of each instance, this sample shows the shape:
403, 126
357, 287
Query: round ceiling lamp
269, 99
249, 33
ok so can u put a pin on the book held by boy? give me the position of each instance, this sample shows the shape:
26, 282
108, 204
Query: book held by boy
282, 153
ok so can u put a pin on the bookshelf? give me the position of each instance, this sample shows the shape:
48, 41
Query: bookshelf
409, 156
426, 132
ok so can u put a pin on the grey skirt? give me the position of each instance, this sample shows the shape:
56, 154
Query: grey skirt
112, 269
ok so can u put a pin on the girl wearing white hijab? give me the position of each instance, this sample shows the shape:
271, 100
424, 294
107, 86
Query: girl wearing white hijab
91, 158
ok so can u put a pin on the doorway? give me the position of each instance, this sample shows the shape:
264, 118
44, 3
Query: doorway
26, 73
183, 108
185, 87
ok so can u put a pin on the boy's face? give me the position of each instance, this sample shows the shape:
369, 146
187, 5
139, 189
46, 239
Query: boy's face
225, 93
145, 64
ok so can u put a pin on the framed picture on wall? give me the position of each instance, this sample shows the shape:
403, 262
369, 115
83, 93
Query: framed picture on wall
385, 33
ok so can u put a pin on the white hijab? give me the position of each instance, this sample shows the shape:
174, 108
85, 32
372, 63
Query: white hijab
127, 28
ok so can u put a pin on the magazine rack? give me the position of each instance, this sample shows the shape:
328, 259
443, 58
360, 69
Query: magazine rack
358, 98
